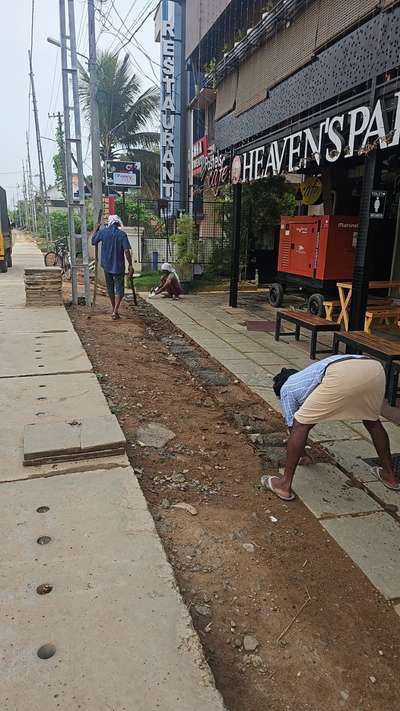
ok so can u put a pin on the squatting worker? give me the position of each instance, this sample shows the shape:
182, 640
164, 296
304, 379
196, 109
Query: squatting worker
170, 285
341, 387
115, 247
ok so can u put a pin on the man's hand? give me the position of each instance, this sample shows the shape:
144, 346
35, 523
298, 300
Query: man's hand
130, 271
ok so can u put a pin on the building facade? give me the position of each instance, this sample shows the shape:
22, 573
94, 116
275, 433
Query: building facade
306, 88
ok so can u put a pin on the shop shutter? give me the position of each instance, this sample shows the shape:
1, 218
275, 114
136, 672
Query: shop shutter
226, 95
337, 16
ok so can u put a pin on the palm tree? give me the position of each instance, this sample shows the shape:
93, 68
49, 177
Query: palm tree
125, 114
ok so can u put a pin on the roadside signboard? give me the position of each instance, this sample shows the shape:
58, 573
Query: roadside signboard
123, 174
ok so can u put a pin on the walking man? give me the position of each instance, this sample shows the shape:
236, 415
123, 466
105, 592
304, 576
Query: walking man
115, 247
341, 387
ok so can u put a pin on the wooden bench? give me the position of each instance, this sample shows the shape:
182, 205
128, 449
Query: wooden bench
334, 304
383, 313
301, 319
380, 348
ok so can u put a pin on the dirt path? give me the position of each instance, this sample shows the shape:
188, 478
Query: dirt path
246, 563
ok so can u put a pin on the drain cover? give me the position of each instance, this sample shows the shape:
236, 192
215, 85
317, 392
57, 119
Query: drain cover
43, 540
43, 509
375, 462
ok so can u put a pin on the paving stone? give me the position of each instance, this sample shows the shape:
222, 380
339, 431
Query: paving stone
389, 497
373, 543
257, 380
212, 377
267, 358
350, 454
240, 366
155, 435
101, 433
332, 431
55, 438
326, 492
269, 396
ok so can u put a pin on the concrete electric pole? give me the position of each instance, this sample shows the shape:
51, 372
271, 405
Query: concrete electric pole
97, 181
70, 71
42, 175
31, 190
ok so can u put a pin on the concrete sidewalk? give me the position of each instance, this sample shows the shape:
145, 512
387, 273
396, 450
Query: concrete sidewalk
110, 630
353, 515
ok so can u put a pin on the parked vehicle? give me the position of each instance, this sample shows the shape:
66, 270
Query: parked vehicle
314, 253
5, 234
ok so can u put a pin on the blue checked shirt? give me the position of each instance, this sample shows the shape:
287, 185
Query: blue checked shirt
300, 385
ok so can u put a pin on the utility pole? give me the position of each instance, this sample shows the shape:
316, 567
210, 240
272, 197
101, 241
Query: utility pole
31, 190
24, 195
68, 151
42, 175
70, 70
78, 144
97, 180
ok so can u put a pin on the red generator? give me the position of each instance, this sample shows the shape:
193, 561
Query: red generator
314, 253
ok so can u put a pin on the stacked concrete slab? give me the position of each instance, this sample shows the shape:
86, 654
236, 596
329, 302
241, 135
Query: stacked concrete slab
43, 286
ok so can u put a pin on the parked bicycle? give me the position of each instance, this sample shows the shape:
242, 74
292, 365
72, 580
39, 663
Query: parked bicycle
59, 257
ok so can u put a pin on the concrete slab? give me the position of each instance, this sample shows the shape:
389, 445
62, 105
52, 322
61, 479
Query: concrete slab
332, 431
350, 455
30, 354
101, 433
123, 637
41, 440
373, 543
44, 399
326, 491
34, 320
62, 441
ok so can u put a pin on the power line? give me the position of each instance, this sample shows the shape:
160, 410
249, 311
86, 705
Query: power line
141, 49
154, 9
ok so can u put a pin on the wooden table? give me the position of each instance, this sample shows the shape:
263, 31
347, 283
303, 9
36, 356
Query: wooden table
380, 348
345, 289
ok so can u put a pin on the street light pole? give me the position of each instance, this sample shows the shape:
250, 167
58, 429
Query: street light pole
97, 182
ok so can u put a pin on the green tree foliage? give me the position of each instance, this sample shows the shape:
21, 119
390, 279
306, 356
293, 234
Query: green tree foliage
185, 239
126, 112
263, 204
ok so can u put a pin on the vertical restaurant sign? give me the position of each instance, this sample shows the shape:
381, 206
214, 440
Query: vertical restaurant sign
171, 49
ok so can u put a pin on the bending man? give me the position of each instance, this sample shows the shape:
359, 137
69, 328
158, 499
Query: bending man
341, 387
115, 247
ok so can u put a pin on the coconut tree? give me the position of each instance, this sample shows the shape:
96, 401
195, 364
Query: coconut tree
126, 114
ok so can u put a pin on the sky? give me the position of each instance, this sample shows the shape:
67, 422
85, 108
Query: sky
16, 116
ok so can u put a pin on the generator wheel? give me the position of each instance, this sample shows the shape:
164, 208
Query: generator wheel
316, 305
3, 266
9, 259
276, 295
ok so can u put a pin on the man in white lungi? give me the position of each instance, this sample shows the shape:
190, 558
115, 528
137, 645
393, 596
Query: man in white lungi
341, 387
